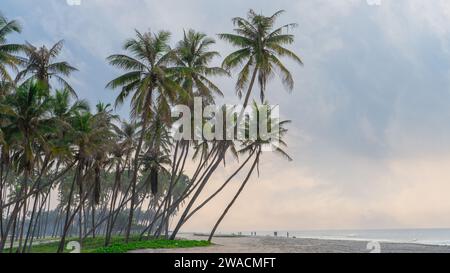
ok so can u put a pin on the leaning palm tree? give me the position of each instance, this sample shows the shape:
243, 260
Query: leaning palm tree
260, 47
254, 147
8, 59
148, 79
40, 64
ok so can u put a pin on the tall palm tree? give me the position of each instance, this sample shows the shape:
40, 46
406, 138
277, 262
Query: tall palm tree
149, 79
260, 47
27, 122
91, 135
8, 59
41, 64
193, 72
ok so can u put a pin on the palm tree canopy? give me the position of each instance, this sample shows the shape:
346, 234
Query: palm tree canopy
260, 47
62, 106
42, 65
27, 121
7, 51
193, 71
273, 138
148, 75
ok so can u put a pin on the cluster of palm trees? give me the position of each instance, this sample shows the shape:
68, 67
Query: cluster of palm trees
67, 170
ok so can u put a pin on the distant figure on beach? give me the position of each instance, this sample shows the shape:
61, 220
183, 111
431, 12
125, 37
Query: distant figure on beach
288, 234
275, 234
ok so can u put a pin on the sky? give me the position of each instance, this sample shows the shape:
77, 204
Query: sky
370, 132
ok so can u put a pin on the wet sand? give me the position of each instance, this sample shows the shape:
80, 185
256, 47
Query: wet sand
292, 245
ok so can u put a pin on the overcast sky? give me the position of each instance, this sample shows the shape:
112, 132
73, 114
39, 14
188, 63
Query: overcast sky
370, 135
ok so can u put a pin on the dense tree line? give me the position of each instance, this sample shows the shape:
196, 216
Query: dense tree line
116, 177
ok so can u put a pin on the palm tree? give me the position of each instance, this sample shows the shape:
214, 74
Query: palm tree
7, 51
27, 122
41, 64
274, 139
90, 135
260, 46
101, 155
63, 109
150, 79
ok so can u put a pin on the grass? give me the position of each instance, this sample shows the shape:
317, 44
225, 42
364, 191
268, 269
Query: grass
118, 245
159, 243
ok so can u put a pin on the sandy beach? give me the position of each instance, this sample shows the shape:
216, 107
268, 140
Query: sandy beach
292, 245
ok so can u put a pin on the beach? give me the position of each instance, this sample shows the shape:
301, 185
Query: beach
269, 244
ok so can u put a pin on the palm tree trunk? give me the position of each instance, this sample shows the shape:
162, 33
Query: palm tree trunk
69, 203
220, 189
136, 165
31, 221
235, 197
197, 193
46, 215
93, 219
38, 221
1, 194
12, 235
22, 225
109, 226
250, 87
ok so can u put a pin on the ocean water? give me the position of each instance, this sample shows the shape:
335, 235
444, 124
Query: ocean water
417, 236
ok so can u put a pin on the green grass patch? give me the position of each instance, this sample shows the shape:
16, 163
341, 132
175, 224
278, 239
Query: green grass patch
117, 245
150, 244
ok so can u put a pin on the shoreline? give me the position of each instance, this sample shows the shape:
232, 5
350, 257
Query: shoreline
270, 244
383, 241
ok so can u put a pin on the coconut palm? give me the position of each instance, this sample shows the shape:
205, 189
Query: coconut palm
63, 108
260, 47
91, 136
149, 79
26, 124
28, 120
40, 63
8, 59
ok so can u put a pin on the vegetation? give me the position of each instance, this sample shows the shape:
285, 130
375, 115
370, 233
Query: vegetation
118, 245
69, 172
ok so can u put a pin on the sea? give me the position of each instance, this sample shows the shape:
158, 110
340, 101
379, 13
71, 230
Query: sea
417, 236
